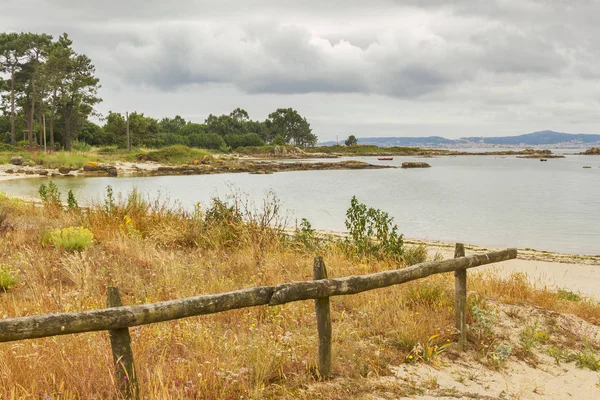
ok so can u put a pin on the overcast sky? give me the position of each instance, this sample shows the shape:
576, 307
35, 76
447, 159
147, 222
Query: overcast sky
369, 68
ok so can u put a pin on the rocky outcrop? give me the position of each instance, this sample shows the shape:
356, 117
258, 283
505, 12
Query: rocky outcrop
16, 160
96, 169
415, 164
592, 151
64, 170
541, 156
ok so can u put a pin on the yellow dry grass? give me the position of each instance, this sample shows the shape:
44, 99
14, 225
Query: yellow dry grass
153, 254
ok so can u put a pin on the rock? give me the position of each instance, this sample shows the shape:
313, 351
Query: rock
42, 172
9, 171
415, 164
92, 166
205, 160
29, 172
592, 151
111, 171
31, 163
16, 160
64, 170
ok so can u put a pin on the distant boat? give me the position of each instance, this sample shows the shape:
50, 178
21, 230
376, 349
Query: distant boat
543, 159
385, 158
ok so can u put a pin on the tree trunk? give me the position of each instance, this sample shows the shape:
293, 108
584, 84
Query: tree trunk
68, 128
12, 107
52, 130
31, 114
40, 121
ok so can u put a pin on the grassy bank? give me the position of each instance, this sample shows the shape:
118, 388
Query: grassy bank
154, 252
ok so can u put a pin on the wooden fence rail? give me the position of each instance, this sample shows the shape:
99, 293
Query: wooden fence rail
117, 318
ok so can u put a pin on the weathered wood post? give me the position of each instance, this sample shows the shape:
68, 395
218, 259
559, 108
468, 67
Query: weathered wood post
120, 342
323, 322
460, 301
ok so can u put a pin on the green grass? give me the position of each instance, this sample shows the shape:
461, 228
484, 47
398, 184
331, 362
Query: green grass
177, 154
7, 280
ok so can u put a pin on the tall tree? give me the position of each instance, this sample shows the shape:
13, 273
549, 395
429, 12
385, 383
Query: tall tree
13, 54
78, 94
37, 46
292, 126
54, 75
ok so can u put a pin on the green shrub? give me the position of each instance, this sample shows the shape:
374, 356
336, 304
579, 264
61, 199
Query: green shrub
7, 279
206, 141
372, 232
80, 146
71, 201
248, 139
173, 154
71, 239
306, 235
587, 358
49, 194
278, 140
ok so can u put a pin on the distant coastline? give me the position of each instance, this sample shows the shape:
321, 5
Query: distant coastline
540, 138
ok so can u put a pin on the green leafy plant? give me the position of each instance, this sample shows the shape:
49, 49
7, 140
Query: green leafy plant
531, 336
560, 354
72, 201
429, 351
128, 229
500, 355
568, 295
278, 140
587, 358
306, 235
483, 322
70, 239
49, 194
109, 200
372, 232
7, 279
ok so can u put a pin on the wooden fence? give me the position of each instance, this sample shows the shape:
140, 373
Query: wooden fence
116, 319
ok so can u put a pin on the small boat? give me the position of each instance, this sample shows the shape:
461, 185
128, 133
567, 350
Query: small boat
385, 158
543, 159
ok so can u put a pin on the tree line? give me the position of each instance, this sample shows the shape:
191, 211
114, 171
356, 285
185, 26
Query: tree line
44, 83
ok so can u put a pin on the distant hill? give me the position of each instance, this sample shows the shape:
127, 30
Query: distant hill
539, 138
529, 139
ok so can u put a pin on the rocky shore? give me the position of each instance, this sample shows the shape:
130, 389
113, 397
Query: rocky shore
198, 167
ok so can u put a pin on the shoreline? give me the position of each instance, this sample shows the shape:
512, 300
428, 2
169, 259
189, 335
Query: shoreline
441, 246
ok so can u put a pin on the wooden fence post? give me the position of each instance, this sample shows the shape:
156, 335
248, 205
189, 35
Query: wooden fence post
460, 301
323, 323
120, 342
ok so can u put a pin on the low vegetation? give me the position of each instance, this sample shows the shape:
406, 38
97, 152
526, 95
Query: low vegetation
154, 251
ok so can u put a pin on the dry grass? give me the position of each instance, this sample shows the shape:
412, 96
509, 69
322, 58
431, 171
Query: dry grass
155, 253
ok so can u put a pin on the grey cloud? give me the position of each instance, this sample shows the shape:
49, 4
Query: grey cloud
488, 59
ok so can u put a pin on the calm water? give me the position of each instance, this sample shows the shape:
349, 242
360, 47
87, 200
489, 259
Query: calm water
489, 201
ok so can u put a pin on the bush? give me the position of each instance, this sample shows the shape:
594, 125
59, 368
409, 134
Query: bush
71, 239
49, 195
372, 233
206, 141
279, 140
7, 280
249, 139
173, 154
80, 146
